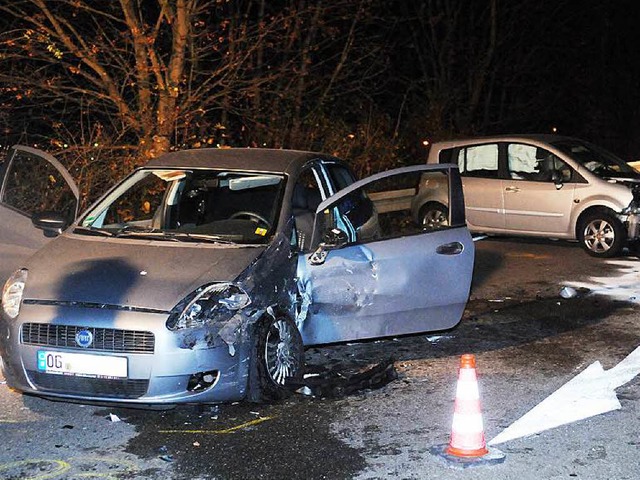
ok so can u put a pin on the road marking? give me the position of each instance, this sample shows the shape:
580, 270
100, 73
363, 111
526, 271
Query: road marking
623, 286
59, 465
590, 393
533, 256
222, 432
67, 469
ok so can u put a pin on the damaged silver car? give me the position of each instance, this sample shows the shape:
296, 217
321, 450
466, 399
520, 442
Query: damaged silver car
202, 276
542, 186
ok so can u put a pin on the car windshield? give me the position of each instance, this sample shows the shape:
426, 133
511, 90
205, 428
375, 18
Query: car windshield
597, 160
189, 205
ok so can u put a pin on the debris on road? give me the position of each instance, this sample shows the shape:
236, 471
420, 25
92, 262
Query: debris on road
114, 418
336, 384
568, 292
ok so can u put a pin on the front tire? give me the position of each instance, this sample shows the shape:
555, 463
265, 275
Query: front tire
601, 234
276, 356
434, 216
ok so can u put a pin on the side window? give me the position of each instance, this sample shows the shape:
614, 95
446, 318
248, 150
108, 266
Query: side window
34, 185
390, 207
341, 177
528, 162
445, 156
479, 161
304, 202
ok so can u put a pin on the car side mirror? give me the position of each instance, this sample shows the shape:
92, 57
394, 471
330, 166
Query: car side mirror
51, 223
334, 238
331, 240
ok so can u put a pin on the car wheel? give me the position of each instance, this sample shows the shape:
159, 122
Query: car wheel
434, 216
277, 355
601, 234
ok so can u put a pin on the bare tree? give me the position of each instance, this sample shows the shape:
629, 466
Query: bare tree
148, 70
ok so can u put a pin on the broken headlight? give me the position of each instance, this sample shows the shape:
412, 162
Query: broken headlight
209, 303
12, 292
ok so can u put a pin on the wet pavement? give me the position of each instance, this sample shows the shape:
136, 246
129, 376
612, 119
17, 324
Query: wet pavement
528, 342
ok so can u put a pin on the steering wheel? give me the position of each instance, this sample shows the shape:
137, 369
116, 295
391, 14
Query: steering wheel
252, 216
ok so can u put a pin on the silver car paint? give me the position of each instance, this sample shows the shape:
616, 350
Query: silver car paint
132, 284
493, 206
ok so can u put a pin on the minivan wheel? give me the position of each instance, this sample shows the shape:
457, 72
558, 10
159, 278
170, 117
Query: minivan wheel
601, 234
434, 215
277, 355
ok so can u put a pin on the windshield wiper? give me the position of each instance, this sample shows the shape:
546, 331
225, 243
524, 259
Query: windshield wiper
199, 237
156, 234
93, 231
147, 234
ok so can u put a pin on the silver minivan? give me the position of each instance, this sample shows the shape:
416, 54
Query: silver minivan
539, 185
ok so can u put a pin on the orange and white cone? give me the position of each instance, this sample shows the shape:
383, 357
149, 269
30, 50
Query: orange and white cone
467, 430
468, 446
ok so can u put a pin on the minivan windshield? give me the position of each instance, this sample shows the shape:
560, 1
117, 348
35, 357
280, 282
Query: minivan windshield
595, 159
189, 205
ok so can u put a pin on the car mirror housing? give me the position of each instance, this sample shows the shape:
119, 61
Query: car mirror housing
332, 239
51, 223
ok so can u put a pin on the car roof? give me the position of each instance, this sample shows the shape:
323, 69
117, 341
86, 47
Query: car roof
254, 159
533, 137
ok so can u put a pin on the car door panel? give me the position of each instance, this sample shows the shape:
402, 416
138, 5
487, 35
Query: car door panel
21, 193
371, 291
537, 206
484, 203
386, 286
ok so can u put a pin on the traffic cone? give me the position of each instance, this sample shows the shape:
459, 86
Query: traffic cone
467, 446
467, 430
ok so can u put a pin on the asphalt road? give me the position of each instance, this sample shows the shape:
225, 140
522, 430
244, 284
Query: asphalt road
528, 342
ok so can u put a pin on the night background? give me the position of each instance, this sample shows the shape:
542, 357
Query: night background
105, 86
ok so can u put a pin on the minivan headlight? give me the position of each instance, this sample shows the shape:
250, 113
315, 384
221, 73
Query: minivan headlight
12, 292
209, 303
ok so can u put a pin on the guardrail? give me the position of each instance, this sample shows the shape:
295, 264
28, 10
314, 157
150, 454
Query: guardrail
393, 200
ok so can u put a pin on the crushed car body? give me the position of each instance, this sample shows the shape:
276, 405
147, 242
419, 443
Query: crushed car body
201, 277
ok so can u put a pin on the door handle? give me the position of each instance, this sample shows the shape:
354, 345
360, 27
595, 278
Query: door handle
512, 189
453, 248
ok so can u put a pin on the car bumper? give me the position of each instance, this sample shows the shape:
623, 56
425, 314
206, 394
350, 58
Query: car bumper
160, 365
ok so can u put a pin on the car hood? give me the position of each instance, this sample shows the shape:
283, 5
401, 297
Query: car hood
134, 273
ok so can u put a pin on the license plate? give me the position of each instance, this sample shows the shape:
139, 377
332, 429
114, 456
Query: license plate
82, 364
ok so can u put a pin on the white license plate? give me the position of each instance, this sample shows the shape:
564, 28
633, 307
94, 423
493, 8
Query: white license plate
82, 364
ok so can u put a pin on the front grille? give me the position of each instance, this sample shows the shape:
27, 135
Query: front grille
95, 387
104, 339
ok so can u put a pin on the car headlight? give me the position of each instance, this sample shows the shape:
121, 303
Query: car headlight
12, 292
215, 302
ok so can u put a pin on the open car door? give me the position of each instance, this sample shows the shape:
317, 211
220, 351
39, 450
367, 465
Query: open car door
32, 181
378, 270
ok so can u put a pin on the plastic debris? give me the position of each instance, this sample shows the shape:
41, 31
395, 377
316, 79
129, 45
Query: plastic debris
166, 458
196, 444
114, 418
305, 391
568, 292
336, 384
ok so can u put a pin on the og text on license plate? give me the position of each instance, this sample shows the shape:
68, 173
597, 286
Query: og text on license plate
82, 364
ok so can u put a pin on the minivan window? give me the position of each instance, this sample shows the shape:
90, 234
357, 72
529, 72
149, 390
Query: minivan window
528, 162
479, 161
595, 159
